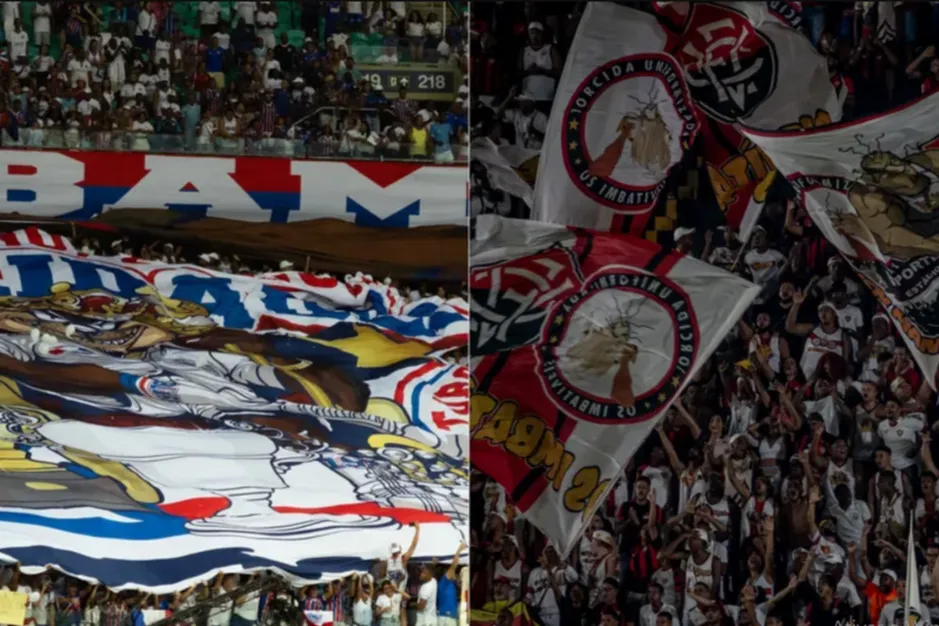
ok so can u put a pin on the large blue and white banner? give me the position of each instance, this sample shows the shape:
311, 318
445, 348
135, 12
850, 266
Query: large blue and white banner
161, 423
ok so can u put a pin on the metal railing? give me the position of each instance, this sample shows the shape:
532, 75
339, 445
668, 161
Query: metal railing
341, 147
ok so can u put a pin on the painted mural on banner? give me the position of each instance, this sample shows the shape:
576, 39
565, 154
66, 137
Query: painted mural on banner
80, 185
743, 61
581, 341
869, 187
622, 117
179, 415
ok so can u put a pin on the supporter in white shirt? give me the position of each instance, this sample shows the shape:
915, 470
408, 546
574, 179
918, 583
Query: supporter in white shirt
79, 68
388, 604
88, 105
901, 435
18, 41
400, 9
427, 597
146, 23
763, 262
208, 13
11, 12
850, 514
266, 20
540, 593
162, 49
223, 37
246, 11
42, 23
649, 613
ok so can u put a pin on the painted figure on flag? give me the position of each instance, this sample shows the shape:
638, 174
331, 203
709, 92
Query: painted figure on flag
649, 138
610, 344
896, 199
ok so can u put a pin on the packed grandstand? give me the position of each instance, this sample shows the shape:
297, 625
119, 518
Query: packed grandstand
780, 486
297, 79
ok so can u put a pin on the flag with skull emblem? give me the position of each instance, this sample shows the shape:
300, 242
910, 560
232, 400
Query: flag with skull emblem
582, 340
871, 189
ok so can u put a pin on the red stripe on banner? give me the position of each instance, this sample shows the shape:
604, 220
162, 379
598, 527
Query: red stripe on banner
9, 239
403, 516
21, 170
423, 370
196, 508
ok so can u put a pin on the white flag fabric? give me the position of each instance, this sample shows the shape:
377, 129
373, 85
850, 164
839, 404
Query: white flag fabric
915, 612
868, 187
886, 21
582, 341
622, 117
501, 163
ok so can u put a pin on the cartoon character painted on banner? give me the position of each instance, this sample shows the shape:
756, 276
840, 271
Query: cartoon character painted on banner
288, 421
896, 200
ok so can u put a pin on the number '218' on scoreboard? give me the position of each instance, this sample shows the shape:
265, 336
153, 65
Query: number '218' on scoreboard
425, 83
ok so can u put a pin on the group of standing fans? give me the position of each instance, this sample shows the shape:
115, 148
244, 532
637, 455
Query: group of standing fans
270, 78
779, 489
396, 592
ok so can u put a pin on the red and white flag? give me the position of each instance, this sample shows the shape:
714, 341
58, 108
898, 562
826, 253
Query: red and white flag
582, 340
869, 186
746, 62
622, 117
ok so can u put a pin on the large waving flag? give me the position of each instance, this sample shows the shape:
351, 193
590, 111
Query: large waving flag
161, 423
581, 341
743, 62
622, 117
869, 187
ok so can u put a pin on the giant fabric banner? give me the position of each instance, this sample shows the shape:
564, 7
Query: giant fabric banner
743, 62
581, 342
868, 185
81, 185
160, 423
622, 117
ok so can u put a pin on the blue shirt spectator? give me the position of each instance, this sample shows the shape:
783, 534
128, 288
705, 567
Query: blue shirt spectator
448, 600
441, 132
214, 59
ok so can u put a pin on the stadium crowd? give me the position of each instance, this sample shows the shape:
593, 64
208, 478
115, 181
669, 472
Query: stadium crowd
270, 78
231, 263
780, 488
396, 592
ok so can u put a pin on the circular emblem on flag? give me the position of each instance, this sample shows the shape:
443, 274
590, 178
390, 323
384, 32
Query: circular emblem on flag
730, 66
620, 349
624, 127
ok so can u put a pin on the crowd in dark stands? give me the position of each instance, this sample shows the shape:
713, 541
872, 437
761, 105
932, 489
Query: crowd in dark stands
779, 489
